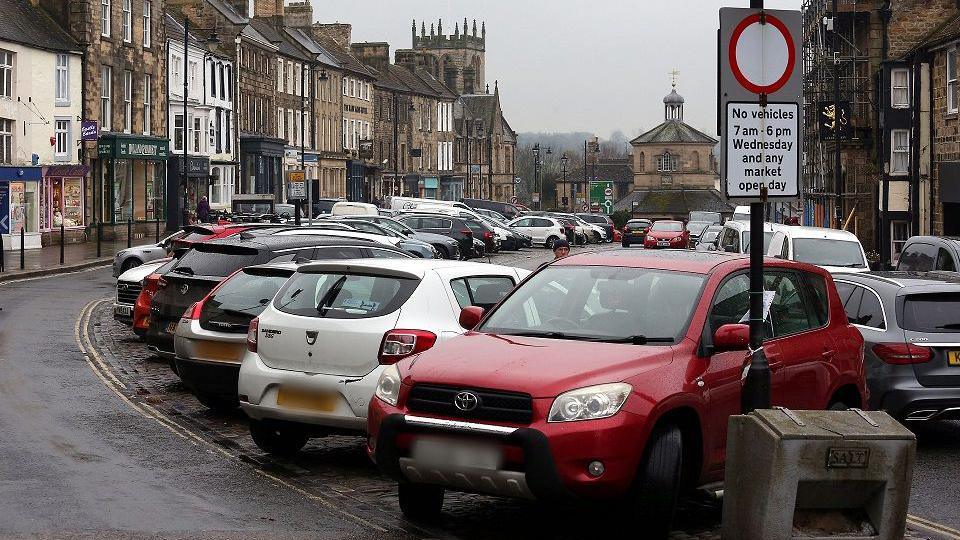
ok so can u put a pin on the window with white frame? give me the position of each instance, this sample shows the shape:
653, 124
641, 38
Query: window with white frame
147, 102
178, 132
62, 80
61, 148
127, 101
105, 18
345, 133
127, 21
952, 96
6, 74
900, 88
197, 134
668, 162
899, 234
176, 85
147, 30
281, 74
6, 140
281, 124
344, 84
290, 126
192, 78
900, 151
213, 79
106, 97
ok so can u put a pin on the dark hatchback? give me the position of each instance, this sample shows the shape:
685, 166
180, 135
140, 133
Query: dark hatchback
451, 226
635, 231
601, 220
207, 264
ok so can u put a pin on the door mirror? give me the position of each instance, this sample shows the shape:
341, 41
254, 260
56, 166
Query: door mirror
470, 317
730, 249
731, 337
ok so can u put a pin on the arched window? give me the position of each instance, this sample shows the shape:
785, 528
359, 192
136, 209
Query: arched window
642, 162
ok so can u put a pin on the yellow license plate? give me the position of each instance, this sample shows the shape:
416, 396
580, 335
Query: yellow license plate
953, 358
219, 351
295, 398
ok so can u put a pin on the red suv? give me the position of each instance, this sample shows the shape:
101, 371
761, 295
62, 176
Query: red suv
608, 375
667, 233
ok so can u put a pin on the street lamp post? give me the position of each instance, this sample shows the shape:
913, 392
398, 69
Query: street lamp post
212, 40
563, 168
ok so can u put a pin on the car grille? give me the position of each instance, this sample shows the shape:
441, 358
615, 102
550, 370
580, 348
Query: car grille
127, 292
493, 406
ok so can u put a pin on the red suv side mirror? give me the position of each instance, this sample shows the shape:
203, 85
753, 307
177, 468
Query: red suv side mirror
729, 337
470, 317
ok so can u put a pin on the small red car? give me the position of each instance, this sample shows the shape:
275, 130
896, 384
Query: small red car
667, 234
608, 376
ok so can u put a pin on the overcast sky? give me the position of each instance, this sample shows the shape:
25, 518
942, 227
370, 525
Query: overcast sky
571, 65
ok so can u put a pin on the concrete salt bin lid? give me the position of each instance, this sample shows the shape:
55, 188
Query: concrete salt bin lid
850, 424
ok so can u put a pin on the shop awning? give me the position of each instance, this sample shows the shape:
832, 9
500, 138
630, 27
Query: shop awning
66, 171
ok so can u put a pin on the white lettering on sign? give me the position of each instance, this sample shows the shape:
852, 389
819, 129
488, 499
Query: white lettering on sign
142, 149
762, 149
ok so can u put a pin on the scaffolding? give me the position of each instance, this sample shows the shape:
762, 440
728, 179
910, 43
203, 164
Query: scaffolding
851, 62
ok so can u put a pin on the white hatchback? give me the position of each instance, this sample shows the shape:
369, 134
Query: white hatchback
833, 250
316, 352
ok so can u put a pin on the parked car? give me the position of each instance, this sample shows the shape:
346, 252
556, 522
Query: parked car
735, 236
543, 230
322, 207
126, 259
517, 238
415, 203
911, 327
208, 263
925, 253
413, 246
741, 213
665, 233
129, 285
709, 217
708, 238
601, 220
334, 326
141, 308
348, 208
449, 226
635, 231
696, 228
574, 387
447, 247
831, 249
594, 233
490, 213
507, 210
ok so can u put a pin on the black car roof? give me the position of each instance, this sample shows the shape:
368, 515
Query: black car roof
273, 243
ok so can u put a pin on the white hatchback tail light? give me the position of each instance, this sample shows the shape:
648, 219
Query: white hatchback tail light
399, 344
252, 331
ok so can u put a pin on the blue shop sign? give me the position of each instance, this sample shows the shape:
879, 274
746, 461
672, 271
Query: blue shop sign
19, 174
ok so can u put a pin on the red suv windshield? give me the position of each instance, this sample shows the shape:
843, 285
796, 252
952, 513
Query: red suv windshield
600, 303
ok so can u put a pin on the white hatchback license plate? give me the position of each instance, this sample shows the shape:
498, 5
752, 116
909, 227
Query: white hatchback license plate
448, 453
123, 310
663, 243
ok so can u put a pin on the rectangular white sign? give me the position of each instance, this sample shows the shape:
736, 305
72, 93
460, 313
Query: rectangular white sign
762, 149
297, 190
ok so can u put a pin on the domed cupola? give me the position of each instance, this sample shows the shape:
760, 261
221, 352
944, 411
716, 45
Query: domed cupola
673, 105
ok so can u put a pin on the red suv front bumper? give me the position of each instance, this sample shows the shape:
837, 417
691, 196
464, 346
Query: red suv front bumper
541, 461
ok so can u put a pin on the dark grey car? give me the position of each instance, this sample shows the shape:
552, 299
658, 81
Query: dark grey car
910, 323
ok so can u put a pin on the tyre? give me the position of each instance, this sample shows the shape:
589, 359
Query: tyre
838, 406
130, 263
420, 502
625, 244
277, 439
550, 242
220, 404
654, 496
444, 252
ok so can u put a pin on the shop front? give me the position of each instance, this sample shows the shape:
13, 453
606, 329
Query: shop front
61, 193
131, 181
430, 186
261, 160
20, 205
451, 188
198, 184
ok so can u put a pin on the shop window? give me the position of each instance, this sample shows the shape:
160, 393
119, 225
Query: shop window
61, 150
900, 88
6, 140
66, 202
900, 151
23, 206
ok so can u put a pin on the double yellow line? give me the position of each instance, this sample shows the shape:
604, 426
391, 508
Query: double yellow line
928, 526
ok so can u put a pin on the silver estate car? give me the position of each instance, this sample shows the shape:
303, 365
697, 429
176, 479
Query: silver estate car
910, 323
137, 255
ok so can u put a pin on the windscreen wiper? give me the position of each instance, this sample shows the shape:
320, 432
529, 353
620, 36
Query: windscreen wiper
638, 340
185, 270
322, 305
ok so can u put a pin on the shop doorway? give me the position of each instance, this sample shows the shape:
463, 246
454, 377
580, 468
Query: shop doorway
951, 219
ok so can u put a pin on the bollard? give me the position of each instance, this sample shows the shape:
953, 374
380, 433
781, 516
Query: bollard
158, 231
22, 237
129, 231
99, 237
2, 262
61, 243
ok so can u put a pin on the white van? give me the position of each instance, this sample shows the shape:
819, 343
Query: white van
831, 249
346, 208
414, 203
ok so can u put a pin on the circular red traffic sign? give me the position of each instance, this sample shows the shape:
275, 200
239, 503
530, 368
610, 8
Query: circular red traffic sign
752, 86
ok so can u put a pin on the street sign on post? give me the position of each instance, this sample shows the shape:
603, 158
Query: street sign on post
296, 185
760, 110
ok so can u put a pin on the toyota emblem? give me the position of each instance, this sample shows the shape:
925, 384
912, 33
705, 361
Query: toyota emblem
466, 401
184, 288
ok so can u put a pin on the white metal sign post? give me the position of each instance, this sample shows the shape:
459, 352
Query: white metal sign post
760, 110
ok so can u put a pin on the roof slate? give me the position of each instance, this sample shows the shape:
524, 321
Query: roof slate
673, 201
674, 131
28, 25
617, 171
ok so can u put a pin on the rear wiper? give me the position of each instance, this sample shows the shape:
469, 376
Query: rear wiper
950, 326
322, 305
185, 270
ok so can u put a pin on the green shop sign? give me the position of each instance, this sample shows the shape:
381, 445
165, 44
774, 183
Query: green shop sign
134, 148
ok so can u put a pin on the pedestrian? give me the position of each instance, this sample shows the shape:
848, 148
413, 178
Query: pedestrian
203, 209
561, 248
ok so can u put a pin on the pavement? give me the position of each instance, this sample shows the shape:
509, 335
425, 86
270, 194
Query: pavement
100, 440
46, 260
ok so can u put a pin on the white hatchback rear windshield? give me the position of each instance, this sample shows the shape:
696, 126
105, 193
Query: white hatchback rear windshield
343, 296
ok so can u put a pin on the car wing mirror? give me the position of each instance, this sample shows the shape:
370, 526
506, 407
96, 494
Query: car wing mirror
470, 317
732, 337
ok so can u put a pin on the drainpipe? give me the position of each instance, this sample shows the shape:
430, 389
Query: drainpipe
883, 229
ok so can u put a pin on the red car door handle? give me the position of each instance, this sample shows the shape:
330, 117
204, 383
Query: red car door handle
828, 354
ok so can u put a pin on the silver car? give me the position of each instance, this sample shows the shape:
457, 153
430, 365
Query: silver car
137, 255
910, 323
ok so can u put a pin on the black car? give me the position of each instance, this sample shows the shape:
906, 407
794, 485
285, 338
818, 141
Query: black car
602, 220
207, 264
926, 253
451, 226
447, 247
635, 232
483, 232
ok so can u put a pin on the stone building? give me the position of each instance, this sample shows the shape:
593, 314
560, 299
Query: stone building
41, 179
457, 59
123, 81
674, 169
618, 170
486, 147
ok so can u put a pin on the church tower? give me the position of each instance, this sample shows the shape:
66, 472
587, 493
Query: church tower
457, 58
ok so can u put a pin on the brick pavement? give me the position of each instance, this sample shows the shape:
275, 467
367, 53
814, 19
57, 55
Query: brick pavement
47, 258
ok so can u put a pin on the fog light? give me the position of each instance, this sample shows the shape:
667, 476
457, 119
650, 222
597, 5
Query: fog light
595, 469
